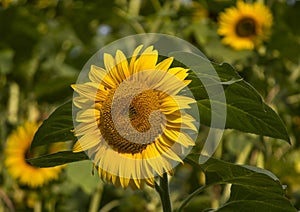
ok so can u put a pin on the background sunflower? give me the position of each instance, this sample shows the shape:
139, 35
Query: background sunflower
246, 25
18, 150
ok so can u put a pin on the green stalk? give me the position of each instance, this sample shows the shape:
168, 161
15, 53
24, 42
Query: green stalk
191, 196
163, 191
37, 206
96, 199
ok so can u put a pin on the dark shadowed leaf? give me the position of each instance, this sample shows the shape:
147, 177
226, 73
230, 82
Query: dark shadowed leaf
58, 158
56, 128
252, 189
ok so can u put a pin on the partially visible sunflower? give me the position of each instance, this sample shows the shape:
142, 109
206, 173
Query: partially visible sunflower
5, 3
246, 25
16, 153
130, 119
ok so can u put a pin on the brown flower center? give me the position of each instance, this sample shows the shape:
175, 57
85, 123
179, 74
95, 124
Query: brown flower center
130, 129
246, 27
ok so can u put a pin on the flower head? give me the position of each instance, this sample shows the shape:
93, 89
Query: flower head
246, 25
130, 120
17, 151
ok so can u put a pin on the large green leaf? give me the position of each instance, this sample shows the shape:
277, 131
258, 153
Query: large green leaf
246, 110
245, 114
57, 158
56, 128
252, 188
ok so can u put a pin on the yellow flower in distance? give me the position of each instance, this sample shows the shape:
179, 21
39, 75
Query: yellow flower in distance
200, 12
246, 25
130, 117
17, 151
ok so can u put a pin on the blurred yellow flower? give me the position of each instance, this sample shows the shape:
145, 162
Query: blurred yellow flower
17, 151
121, 155
200, 12
246, 25
5, 3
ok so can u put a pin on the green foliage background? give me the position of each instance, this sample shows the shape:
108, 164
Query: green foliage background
44, 44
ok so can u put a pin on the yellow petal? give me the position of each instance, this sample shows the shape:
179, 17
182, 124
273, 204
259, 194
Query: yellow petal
82, 102
185, 140
122, 65
97, 74
88, 90
165, 64
179, 72
147, 60
83, 128
133, 58
113, 74
89, 115
86, 142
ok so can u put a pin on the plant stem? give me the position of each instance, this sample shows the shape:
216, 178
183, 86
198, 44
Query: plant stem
95, 202
6, 200
37, 206
163, 191
192, 195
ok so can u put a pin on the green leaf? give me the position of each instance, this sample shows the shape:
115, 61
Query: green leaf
246, 110
57, 158
56, 128
252, 188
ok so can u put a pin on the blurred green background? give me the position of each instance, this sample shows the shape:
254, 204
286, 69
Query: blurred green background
45, 43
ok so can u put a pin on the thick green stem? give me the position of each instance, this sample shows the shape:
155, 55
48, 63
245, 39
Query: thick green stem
163, 191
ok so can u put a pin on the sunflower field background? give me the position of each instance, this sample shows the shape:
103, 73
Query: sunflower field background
43, 47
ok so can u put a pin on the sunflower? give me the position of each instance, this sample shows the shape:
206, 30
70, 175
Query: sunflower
246, 25
131, 120
17, 151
